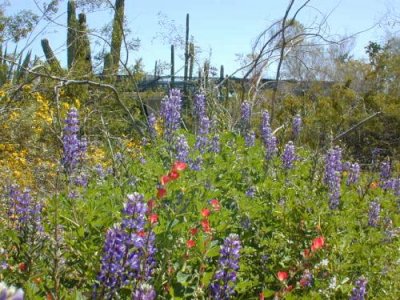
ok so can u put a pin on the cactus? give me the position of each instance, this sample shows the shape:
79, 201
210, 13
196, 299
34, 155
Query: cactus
172, 66
185, 76
221, 73
71, 32
21, 71
117, 34
50, 57
82, 63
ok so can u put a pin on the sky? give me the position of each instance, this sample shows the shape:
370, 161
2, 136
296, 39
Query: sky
221, 29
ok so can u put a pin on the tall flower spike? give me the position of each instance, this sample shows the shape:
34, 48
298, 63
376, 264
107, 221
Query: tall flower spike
289, 156
332, 176
268, 138
202, 134
71, 144
224, 280
170, 111
128, 250
181, 149
199, 106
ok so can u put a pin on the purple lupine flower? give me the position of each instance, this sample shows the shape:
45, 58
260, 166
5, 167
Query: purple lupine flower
288, 156
268, 138
73, 148
334, 191
170, 111
250, 138
332, 176
112, 268
360, 289
151, 123
245, 109
134, 213
296, 126
222, 286
307, 279
24, 211
215, 144
333, 164
128, 250
202, 134
181, 149
144, 292
199, 106
354, 174
374, 211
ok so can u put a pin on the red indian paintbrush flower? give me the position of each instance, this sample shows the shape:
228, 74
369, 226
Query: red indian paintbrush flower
282, 275
161, 192
215, 204
205, 212
165, 179
179, 166
153, 218
190, 244
317, 243
173, 175
206, 225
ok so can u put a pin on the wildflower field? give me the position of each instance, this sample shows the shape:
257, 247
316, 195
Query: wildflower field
190, 212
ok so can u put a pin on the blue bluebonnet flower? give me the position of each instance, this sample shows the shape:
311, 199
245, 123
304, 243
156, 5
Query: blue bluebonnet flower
129, 251
268, 138
10, 292
73, 148
296, 126
288, 156
222, 286
354, 173
360, 290
144, 292
181, 148
202, 134
374, 211
170, 111
250, 138
151, 123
